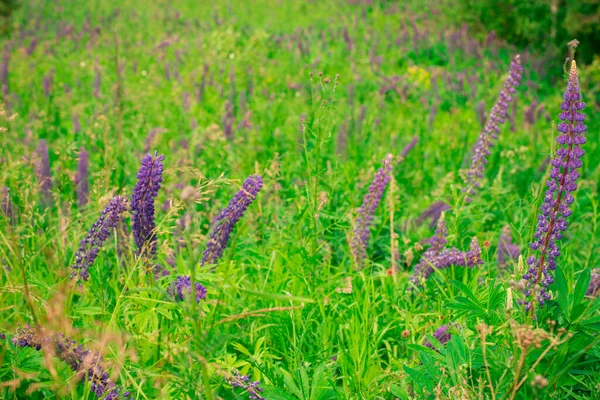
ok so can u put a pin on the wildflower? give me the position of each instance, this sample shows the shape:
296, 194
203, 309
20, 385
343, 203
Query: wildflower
594, 286
81, 179
434, 212
6, 206
367, 210
182, 286
87, 364
442, 335
506, 249
243, 381
411, 145
481, 149
228, 217
76, 124
43, 173
99, 232
555, 210
142, 203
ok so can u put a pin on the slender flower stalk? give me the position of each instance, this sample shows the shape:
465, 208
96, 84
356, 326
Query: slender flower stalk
366, 212
142, 204
481, 149
81, 179
552, 220
506, 249
43, 173
228, 217
87, 364
182, 287
243, 381
97, 235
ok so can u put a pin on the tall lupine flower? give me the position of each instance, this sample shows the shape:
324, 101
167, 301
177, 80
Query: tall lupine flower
81, 179
243, 381
43, 173
481, 149
95, 238
76, 124
552, 220
366, 211
442, 335
142, 203
228, 217
408, 148
182, 287
506, 249
85, 363
594, 286
434, 212
47, 83
228, 120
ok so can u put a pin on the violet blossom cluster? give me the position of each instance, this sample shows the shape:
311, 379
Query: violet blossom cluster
506, 249
87, 364
593, 290
554, 211
481, 149
142, 204
439, 257
366, 212
243, 381
182, 287
442, 335
228, 217
90, 246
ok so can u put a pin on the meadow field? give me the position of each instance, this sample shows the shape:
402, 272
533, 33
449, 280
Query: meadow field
369, 199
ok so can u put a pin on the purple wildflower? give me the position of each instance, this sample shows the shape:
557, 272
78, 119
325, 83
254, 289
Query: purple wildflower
434, 212
76, 124
47, 83
228, 217
99, 232
32, 45
408, 148
81, 179
228, 120
97, 83
562, 183
6, 205
151, 136
142, 203
43, 173
506, 249
4, 70
182, 286
87, 364
366, 211
481, 149
442, 335
594, 286
243, 381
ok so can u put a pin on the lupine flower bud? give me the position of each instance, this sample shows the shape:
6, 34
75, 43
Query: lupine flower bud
226, 220
506, 249
554, 211
442, 335
481, 149
142, 204
182, 287
243, 381
81, 179
85, 363
99, 232
366, 211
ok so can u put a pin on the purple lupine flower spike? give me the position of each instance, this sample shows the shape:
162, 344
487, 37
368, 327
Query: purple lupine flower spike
43, 173
142, 204
243, 381
593, 290
182, 287
366, 211
552, 220
481, 149
442, 335
408, 148
226, 220
434, 212
85, 363
97, 83
81, 179
506, 249
76, 124
99, 232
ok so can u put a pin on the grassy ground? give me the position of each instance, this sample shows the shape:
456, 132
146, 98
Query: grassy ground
318, 94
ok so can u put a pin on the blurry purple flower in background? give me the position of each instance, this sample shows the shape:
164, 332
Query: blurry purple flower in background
97, 82
42, 168
182, 287
506, 249
554, 211
228, 120
95, 238
81, 179
243, 381
76, 124
366, 212
481, 113
6, 205
481, 149
434, 212
408, 148
228, 217
4, 70
594, 286
442, 335
142, 204
32, 45
186, 101
47, 82
85, 363
151, 136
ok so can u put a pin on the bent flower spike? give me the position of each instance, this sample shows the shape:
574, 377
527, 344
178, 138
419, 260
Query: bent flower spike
554, 211
99, 232
227, 218
142, 204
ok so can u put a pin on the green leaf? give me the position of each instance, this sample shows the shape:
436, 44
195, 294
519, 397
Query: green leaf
582, 286
463, 288
563, 291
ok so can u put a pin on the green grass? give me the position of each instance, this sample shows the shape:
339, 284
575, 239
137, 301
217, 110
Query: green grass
275, 307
